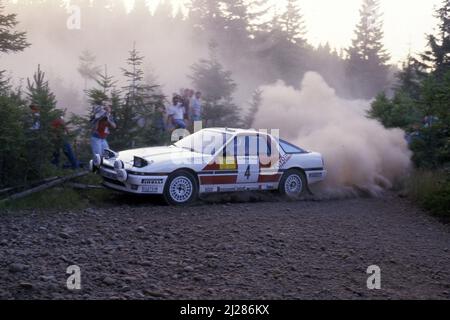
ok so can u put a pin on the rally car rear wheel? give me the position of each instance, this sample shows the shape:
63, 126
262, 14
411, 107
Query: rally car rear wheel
181, 188
293, 184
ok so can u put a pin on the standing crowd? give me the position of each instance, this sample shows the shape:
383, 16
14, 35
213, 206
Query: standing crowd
185, 109
181, 112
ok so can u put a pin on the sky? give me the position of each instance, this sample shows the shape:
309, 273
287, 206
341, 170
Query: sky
406, 22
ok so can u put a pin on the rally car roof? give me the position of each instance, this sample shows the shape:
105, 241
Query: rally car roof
233, 130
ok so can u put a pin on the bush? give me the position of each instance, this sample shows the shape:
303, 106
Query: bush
431, 189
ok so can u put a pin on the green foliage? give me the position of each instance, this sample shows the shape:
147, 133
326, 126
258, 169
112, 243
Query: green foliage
254, 106
209, 76
134, 106
11, 40
437, 57
292, 23
421, 101
367, 68
400, 112
13, 159
431, 189
43, 141
87, 68
432, 147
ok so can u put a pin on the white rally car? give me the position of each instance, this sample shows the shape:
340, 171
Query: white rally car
212, 160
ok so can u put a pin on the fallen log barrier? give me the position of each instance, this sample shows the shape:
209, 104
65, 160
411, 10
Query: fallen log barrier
45, 186
81, 186
23, 186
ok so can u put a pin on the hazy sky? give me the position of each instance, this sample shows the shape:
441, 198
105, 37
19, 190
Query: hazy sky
406, 22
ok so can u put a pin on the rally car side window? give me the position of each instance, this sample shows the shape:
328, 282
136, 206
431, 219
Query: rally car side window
290, 148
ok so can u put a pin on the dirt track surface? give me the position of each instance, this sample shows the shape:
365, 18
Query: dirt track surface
258, 250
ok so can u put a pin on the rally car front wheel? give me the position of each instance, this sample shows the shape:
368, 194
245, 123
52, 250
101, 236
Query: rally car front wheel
181, 188
293, 184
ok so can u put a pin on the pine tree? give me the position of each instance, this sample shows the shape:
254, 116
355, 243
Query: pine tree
367, 64
207, 20
11, 40
106, 87
42, 144
281, 58
217, 85
235, 34
437, 57
410, 77
254, 106
136, 112
292, 23
13, 159
87, 67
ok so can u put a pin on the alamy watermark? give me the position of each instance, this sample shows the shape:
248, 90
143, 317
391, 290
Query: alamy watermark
74, 280
374, 280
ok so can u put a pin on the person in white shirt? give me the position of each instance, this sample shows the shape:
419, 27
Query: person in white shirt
176, 113
196, 107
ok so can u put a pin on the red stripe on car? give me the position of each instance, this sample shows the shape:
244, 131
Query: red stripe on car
269, 178
232, 179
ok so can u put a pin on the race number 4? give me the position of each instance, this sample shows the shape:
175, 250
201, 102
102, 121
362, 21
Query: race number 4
248, 170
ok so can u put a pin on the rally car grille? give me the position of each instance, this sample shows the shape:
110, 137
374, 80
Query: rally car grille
112, 181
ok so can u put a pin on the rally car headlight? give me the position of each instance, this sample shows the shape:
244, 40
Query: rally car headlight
122, 175
139, 162
92, 168
109, 154
97, 160
118, 164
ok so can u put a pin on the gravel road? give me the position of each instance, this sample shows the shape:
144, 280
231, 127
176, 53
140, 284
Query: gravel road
219, 250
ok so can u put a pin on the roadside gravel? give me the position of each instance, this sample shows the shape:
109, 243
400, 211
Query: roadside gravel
218, 250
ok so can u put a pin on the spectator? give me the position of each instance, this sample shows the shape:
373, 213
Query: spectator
176, 113
102, 121
186, 102
35, 111
196, 107
60, 136
158, 121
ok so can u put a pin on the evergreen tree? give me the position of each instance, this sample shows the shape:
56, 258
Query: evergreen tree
136, 113
410, 77
367, 65
437, 57
206, 16
400, 112
209, 76
254, 106
43, 142
281, 58
292, 23
10, 39
87, 67
13, 159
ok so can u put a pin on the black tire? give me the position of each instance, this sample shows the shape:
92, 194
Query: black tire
187, 192
299, 185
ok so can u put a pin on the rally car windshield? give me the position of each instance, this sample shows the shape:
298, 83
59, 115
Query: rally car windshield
204, 141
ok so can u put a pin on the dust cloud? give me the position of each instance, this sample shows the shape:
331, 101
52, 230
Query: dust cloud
360, 154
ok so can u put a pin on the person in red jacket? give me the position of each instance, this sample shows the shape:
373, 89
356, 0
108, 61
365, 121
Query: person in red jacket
101, 124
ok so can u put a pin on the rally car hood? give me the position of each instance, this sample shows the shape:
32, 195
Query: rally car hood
161, 156
147, 153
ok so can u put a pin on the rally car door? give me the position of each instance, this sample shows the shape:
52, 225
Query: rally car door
247, 160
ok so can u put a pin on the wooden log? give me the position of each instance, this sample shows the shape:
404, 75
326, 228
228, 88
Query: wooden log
45, 186
32, 184
83, 186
